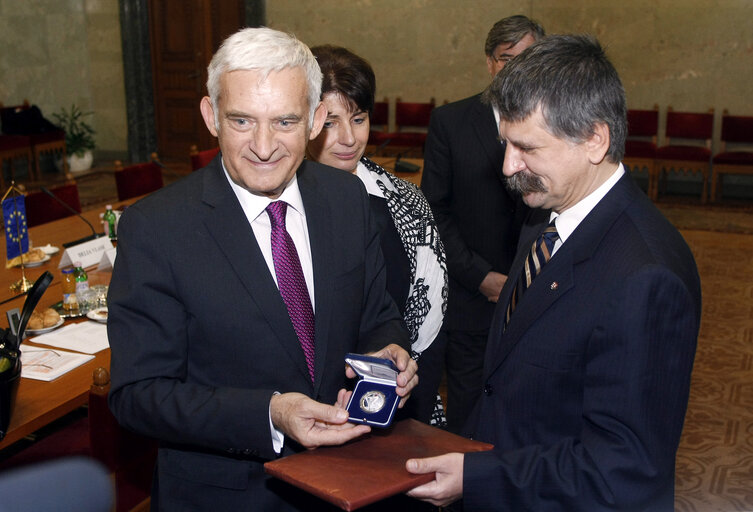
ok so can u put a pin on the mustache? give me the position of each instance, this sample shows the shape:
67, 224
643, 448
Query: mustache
524, 183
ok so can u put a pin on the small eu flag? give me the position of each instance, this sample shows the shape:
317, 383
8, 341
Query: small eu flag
16, 234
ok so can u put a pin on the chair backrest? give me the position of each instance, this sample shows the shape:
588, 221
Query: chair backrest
41, 208
138, 179
737, 128
690, 125
380, 116
201, 159
414, 115
643, 123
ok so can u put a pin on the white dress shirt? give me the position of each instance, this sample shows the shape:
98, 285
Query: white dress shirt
254, 206
567, 221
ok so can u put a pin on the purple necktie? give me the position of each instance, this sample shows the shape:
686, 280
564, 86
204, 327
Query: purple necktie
291, 282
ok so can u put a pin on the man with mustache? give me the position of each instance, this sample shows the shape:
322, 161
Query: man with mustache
587, 369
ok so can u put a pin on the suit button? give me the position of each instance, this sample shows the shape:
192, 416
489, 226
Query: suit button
488, 389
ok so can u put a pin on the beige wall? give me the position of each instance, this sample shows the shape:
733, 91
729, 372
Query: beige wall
59, 52
692, 54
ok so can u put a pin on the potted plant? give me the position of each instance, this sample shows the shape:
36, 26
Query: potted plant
79, 137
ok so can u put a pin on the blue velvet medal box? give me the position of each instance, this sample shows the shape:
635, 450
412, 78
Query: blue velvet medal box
374, 399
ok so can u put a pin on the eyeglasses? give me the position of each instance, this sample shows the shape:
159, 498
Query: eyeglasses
502, 59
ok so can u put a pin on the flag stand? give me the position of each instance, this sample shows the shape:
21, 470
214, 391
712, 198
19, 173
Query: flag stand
22, 285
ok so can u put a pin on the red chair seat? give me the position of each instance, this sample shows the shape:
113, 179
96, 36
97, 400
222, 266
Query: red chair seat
11, 142
690, 153
201, 159
640, 149
138, 180
41, 208
413, 139
734, 158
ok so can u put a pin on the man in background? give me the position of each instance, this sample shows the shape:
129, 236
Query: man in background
239, 290
478, 218
587, 371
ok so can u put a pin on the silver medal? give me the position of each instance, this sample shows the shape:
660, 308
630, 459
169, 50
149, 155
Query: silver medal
372, 401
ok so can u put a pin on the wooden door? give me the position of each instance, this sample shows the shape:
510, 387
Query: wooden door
184, 36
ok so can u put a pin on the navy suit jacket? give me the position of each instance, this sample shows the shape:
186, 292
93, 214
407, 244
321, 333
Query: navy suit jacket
201, 338
586, 390
478, 218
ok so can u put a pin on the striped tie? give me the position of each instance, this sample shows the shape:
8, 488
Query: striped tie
291, 282
541, 252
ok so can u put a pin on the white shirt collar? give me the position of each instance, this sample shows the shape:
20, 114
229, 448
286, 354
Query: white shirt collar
567, 221
254, 205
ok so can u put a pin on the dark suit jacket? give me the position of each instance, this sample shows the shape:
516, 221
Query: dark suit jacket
478, 218
201, 338
586, 391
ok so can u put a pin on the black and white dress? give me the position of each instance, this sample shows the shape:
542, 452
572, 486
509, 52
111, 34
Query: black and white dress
416, 270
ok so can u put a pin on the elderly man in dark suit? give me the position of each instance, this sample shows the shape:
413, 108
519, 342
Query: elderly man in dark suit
478, 219
238, 291
587, 370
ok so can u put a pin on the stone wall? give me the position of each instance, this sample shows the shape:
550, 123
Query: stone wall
59, 52
691, 54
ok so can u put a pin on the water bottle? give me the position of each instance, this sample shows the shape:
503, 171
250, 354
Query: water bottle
109, 221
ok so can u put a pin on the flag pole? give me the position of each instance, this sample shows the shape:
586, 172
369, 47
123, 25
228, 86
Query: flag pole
22, 285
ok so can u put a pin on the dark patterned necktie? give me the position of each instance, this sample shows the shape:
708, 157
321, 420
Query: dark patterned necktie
539, 255
291, 282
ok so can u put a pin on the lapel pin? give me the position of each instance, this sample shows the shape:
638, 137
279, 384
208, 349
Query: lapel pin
554, 285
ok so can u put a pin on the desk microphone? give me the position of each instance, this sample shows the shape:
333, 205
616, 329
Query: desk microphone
73, 210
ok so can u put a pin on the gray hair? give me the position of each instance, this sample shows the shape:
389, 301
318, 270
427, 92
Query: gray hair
510, 31
573, 82
264, 50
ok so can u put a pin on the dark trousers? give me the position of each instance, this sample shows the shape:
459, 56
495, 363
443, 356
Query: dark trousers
464, 363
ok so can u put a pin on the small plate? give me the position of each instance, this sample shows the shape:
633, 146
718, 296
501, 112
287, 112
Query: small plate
32, 264
36, 332
49, 250
98, 315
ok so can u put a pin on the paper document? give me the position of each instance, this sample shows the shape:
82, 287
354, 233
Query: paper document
48, 364
86, 337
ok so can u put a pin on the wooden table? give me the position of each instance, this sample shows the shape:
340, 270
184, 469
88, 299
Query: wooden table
388, 162
38, 403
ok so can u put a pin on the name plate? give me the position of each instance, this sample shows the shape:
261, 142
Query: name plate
108, 259
374, 398
88, 253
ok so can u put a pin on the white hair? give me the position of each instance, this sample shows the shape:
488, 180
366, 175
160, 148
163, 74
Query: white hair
264, 50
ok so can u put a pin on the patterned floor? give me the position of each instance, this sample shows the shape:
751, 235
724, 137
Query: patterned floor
715, 459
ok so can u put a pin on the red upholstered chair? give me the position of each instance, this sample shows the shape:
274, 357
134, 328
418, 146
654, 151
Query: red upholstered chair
379, 122
640, 146
691, 154
12, 148
41, 208
138, 179
411, 125
201, 159
735, 153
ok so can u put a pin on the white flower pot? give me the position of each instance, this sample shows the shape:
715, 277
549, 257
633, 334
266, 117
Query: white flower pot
77, 163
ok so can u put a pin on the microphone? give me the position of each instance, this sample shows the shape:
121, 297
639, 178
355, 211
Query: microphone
405, 166
73, 210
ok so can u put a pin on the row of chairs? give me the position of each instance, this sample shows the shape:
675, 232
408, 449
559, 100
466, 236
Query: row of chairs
130, 181
687, 148
27, 136
411, 124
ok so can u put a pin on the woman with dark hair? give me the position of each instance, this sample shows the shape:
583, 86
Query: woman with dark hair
414, 255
